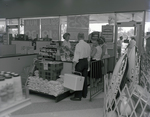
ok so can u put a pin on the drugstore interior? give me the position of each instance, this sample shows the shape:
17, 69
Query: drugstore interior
25, 44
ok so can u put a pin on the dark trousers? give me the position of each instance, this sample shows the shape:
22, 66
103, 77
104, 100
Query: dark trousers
82, 66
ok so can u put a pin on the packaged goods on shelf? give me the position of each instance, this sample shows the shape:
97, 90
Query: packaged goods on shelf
9, 88
48, 87
3, 92
48, 52
36, 72
49, 70
13, 95
17, 86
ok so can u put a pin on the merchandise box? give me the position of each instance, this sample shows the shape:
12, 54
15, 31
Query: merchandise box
73, 82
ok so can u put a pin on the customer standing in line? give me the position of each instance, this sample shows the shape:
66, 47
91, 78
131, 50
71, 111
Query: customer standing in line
104, 53
95, 70
80, 64
132, 43
103, 46
119, 45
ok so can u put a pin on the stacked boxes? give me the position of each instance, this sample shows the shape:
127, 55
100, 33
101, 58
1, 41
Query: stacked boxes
52, 70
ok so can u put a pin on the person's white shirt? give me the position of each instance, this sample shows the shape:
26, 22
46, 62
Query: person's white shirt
82, 50
66, 44
132, 44
104, 45
98, 54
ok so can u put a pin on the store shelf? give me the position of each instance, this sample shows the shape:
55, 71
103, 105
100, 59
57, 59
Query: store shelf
14, 107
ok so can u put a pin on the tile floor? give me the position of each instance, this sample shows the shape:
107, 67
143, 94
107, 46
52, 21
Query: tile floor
44, 107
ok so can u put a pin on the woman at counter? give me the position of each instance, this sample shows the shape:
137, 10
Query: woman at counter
66, 44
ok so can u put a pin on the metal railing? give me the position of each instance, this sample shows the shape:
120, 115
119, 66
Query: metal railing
99, 68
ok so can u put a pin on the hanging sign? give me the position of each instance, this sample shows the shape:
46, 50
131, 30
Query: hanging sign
50, 28
78, 24
107, 32
32, 28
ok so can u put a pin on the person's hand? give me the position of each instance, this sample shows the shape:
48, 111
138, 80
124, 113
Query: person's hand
73, 66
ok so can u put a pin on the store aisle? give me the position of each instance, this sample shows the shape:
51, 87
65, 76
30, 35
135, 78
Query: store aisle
45, 107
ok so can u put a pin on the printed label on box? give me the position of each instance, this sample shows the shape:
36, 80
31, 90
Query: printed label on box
45, 66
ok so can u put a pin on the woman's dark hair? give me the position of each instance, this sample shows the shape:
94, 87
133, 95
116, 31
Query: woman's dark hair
65, 35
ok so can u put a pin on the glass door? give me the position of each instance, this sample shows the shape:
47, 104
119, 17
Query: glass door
126, 33
126, 30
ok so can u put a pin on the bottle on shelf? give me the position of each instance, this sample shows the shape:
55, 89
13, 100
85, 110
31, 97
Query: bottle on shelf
58, 55
10, 88
2, 73
17, 86
3, 92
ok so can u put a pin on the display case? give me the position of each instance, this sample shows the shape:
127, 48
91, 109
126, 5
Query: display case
7, 110
13, 95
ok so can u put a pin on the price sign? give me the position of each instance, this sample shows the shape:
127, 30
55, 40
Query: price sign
50, 27
32, 28
107, 32
78, 24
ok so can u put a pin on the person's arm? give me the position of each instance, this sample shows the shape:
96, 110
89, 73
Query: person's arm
93, 52
76, 57
73, 66
103, 50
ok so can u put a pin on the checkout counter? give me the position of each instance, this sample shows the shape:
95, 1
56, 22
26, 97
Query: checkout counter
14, 58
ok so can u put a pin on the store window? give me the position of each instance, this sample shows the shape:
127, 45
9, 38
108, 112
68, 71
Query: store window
147, 27
98, 20
2, 25
21, 26
63, 26
12, 21
12, 26
96, 27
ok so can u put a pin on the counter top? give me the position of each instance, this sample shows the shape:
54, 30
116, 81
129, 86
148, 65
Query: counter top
64, 61
16, 55
59, 61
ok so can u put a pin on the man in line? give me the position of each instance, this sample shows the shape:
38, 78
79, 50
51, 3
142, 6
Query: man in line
132, 43
80, 64
119, 45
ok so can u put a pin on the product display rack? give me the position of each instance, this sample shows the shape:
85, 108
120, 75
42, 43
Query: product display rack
25, 101
51, 73
56, 98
